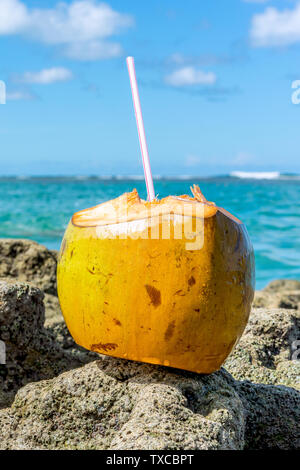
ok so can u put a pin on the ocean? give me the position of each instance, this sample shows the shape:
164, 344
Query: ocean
39, 208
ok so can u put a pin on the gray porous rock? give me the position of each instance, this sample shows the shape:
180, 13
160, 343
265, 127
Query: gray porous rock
117, 404
59, 399
281, 293
28, 261
267, 351
272, 415
32, 352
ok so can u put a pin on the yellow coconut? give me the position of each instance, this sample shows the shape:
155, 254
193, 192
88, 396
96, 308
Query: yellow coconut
168, 282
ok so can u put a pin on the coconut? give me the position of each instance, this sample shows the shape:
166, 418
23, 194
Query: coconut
168, 282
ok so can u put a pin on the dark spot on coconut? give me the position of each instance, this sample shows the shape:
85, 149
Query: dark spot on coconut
104, 347
170, 330
117, 322
154, 294
191, 281
178, 292
91, 270
197, 309
72, 252
106, 303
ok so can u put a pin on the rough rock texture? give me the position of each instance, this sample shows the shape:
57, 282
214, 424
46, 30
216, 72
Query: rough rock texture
28, 261
272, 415
125, 405
32, 352
267, 348
117, 404
281, 293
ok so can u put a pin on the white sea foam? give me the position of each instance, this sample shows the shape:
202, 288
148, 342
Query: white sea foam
257, 175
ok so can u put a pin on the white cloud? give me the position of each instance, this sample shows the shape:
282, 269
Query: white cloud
186, 76
81, 26
13, 16
276, 28
19, 95
46, 76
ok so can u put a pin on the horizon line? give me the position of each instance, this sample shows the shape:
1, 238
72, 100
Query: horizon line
262, 175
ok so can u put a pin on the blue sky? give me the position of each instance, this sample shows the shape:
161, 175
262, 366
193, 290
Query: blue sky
215, 83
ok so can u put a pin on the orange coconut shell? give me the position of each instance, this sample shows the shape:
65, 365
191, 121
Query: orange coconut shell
148, 298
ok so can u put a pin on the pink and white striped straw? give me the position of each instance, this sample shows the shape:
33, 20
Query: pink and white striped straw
141, 129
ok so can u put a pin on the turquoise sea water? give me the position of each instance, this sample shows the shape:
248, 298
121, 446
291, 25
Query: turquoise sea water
40, 208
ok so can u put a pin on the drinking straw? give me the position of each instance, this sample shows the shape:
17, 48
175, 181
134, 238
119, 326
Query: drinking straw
141, 129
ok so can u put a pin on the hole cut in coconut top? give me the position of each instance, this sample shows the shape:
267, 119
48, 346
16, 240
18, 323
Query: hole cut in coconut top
129, 207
